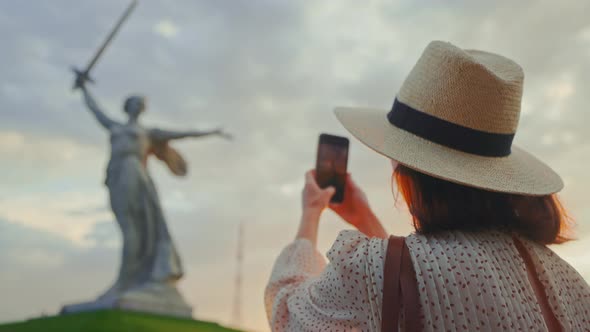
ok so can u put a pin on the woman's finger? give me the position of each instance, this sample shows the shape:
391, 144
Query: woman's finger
310, 179
329, 192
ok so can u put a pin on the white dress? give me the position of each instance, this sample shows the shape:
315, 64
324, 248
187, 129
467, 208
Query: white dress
466, 282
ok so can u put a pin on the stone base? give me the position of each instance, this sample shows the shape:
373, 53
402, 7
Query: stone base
161, 299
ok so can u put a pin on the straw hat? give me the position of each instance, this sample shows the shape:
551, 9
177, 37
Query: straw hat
454, 118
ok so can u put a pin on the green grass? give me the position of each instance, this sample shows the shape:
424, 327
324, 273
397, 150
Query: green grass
113, 321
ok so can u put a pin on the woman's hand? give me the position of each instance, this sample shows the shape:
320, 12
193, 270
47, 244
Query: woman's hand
314, 200
355, 210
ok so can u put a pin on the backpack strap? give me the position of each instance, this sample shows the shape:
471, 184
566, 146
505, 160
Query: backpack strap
399, 286
551, 321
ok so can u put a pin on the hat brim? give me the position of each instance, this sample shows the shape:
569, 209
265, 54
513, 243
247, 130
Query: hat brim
518, 173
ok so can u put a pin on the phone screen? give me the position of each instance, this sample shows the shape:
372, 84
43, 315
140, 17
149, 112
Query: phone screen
331, 164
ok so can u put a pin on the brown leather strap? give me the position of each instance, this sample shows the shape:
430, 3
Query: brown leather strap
399, 285
391, 287
410, 297
551, 321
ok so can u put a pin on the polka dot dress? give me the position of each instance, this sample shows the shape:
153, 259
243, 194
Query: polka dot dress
466, 282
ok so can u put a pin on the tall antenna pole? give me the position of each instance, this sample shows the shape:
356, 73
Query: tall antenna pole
237, 308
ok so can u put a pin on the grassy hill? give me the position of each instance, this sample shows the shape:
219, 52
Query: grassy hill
113, 321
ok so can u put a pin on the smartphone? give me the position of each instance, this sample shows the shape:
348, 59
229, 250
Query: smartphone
331, 163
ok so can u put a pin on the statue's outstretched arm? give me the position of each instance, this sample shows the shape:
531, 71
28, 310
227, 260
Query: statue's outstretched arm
166, 135
102, 118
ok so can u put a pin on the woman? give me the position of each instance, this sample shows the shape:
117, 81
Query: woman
149, 257
483, 211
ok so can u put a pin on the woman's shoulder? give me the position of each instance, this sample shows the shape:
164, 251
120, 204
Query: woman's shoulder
460, 238
489, 247
354, 238
550, 265
352, 245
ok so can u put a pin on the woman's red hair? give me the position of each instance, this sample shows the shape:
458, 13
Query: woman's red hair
439, 205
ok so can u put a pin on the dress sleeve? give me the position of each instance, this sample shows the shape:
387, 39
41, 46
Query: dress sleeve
305, 294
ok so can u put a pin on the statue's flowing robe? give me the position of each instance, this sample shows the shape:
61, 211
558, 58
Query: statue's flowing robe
149, 254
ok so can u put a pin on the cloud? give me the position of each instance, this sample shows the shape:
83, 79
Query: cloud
44, 271
22, 245
166, 29
49, 213
42, 182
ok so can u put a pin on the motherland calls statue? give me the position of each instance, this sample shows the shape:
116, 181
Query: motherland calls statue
150, 265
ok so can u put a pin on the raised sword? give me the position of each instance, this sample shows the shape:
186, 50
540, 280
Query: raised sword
84, 75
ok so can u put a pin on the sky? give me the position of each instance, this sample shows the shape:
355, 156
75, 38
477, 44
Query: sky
270, 72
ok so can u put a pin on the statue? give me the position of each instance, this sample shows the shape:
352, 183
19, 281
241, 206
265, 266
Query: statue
150, 265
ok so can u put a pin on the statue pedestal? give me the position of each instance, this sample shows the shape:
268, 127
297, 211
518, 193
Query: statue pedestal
161, 299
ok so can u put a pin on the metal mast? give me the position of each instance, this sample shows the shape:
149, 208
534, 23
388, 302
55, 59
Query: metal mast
237, 305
